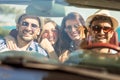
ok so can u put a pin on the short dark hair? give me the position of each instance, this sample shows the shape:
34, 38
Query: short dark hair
23, 16
103, 18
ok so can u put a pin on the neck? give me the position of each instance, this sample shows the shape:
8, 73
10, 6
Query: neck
77, 43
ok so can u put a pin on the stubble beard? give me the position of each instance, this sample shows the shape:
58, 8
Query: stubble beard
26, 39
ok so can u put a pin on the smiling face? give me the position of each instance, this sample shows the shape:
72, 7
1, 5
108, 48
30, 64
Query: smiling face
50, 32
101, 30
72, 29
28, 29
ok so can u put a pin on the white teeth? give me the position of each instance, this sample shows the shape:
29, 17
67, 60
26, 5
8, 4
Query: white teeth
101, 37
51, 39
75, 34
29, 33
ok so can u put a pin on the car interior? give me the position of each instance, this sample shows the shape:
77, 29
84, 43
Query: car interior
79, 66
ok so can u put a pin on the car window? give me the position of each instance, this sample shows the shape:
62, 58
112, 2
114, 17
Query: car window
65, 58
10, 11
55, 10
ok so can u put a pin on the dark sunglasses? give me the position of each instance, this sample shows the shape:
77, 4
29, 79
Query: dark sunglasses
27, 24
99, 28
69, 28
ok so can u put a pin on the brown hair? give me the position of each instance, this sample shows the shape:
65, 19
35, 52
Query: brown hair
64, 36
103, 18
57, 44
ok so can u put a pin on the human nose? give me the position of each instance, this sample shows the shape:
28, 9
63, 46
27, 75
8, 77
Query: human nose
102, 31
73, 28
50, 33
29, 27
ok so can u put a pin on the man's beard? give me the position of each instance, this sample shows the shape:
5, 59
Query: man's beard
26, 39
101, 38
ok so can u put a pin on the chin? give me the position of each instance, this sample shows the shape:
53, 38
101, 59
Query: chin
76, 38
103, 41
27, 39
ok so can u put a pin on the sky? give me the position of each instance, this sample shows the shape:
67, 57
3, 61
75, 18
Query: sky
85, 12
9, 20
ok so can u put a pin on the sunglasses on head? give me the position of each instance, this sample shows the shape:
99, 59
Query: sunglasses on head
24, 23
99, 28
69, 28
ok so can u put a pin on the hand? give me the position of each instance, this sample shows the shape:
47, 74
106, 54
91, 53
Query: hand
11, 43
64, 56
46, 45
49, 48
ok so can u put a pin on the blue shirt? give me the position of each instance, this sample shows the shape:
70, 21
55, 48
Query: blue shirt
34, 46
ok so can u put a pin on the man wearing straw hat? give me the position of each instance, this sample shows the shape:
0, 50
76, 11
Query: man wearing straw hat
102, 28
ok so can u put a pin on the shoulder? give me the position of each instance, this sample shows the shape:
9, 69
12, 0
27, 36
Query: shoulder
2, 41
2, 44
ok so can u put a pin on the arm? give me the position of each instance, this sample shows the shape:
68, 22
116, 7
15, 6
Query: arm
11, 43
49, 48
64, 56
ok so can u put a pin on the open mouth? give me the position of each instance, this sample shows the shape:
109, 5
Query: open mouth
27, 33
74, 34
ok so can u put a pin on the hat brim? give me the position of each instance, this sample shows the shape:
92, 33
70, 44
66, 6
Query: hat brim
114, 21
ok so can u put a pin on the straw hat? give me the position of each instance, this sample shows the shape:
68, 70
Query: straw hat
104, 13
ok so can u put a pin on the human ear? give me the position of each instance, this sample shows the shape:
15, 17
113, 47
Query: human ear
17, 26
